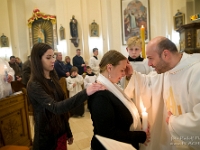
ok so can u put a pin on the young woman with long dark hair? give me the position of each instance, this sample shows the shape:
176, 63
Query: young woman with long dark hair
48, 100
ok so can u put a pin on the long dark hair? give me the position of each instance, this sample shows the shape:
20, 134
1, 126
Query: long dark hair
55, 122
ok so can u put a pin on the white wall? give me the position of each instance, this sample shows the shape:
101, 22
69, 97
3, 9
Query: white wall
106, 13
5, 29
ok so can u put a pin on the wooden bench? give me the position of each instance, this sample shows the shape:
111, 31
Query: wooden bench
13, 147
63, 85
17, 86
14, 127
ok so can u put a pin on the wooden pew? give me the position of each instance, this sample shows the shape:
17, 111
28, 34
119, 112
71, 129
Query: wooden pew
17, 86
14, 127
63, 84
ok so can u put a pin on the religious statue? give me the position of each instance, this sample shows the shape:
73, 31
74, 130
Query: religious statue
41, 36
73, 27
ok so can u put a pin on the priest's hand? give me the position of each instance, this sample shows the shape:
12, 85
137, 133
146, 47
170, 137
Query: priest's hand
169, 115
128, 70
94, 87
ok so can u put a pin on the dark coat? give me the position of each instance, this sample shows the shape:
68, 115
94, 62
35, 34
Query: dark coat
26, 72
78, 61
43, 104
60, 68
112, 119
17, 69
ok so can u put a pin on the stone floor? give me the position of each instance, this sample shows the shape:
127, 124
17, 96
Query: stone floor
82, 131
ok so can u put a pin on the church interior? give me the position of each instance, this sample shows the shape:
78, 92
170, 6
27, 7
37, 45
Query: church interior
26, 22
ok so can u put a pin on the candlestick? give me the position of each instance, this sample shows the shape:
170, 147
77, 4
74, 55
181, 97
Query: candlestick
142, 35
144, 120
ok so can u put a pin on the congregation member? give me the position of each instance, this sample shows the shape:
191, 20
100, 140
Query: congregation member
60, 68
94, 62
134, 49
68, 63
79, 62
6, 77
113, 114
16, 68
26, 71
19, 62
172, 95
90, 77
50, 107
74, 85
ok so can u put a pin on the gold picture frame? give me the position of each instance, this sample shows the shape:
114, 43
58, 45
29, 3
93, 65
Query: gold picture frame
4, 41
134, 14
42, 29
179, 20
62, 32
94, 29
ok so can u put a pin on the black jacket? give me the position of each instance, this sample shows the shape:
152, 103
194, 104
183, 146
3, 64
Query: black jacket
78, 61
112, 119
43, 103
60, 68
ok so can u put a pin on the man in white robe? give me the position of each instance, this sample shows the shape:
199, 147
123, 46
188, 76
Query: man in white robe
94, 62
6, 76
171, 96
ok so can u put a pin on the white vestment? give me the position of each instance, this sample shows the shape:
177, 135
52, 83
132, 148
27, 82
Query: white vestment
5, 87
94, 64
74, 90
179, 90
88, 80
139, 66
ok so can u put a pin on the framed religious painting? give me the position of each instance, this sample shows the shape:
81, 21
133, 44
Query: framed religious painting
135, 14
4, 41
62, 32
94, 29
179, 20
42, 29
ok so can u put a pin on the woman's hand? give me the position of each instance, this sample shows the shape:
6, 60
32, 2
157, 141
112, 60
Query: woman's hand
70, 140
91, 89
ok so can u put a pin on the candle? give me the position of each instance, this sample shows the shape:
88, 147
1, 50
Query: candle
144, 120
142, 35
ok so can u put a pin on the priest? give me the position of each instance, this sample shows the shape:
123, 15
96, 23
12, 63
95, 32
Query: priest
171, 96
